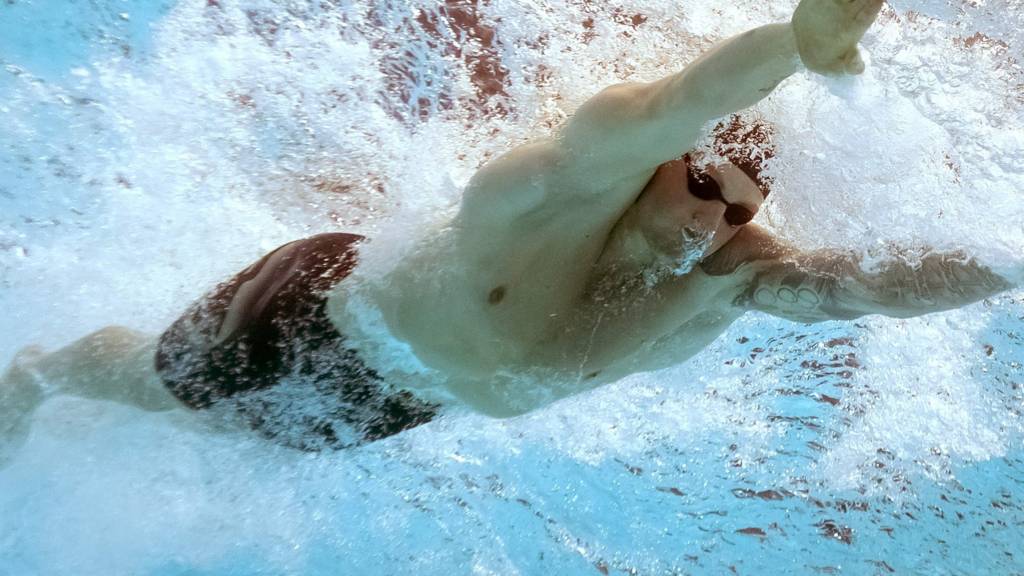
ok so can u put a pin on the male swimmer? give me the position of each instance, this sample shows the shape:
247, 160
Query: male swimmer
603, 251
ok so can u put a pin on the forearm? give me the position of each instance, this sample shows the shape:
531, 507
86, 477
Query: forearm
735, 74
630, 129
831, 285
938, 281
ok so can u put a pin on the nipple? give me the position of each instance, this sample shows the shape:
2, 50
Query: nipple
496, 295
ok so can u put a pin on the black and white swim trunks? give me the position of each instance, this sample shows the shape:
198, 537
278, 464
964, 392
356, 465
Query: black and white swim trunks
261, 345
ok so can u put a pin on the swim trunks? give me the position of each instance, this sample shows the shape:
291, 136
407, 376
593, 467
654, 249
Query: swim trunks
262, 345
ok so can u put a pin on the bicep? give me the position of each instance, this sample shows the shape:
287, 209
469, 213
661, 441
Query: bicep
613, 142
630, 128
773, 276
512, 185
647, 124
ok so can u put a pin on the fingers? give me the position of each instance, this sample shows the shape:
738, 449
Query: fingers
861, 12
827, 32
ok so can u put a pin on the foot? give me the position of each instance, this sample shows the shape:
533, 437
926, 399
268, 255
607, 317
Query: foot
20, 394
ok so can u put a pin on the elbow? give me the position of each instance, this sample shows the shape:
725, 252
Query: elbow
620, 104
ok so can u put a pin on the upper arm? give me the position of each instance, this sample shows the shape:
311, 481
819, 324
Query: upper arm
639, 126
614, 141
803, 287
619, 136
631, 128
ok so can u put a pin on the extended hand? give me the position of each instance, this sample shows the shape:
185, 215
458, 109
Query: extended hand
827, 32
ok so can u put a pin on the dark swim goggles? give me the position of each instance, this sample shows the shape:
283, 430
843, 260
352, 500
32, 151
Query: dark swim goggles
706, 188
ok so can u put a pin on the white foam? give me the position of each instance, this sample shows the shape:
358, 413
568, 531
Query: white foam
139, 185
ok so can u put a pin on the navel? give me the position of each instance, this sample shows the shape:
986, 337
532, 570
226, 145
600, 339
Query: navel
496, 295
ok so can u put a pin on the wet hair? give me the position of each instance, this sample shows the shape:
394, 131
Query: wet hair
746, 141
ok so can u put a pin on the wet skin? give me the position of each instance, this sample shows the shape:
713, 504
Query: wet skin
579, 259
569, 263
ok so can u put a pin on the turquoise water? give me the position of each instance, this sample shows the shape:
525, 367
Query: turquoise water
149, 155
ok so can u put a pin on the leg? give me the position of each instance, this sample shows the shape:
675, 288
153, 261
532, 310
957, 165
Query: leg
113, 363
20, 393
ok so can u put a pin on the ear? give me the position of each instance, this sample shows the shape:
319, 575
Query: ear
750, 244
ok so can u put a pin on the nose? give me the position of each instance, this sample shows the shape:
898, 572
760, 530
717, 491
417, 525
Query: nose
709, 214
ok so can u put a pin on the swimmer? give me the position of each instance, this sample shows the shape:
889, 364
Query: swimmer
606, 250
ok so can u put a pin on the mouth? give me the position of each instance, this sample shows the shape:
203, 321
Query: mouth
695, 244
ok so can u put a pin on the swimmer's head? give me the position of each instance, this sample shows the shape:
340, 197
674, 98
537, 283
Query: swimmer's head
726, 195
691, 207
746, 142
712, 202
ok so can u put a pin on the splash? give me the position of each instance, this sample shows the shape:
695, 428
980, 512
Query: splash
162, 153
694, 246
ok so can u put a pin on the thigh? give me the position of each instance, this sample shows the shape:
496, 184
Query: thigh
247, 332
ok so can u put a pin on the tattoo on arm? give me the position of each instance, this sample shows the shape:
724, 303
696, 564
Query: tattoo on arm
832, 285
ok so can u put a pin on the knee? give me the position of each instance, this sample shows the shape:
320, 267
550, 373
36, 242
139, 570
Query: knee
19, 387
28, 355
24, 361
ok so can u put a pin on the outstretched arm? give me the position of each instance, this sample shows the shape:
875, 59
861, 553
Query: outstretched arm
624, 132
640, 126
830, 284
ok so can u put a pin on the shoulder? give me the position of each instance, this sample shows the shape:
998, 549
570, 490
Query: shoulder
514, 183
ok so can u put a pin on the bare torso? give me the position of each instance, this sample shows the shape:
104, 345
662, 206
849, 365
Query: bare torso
545, 305
536, 289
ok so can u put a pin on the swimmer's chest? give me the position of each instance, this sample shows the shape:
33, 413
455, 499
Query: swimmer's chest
504, 360
488, 310
487, 293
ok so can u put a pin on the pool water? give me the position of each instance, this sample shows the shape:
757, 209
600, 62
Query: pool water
151, 149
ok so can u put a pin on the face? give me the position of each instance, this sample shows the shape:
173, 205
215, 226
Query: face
711, 204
